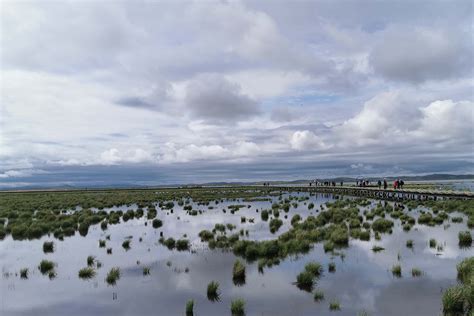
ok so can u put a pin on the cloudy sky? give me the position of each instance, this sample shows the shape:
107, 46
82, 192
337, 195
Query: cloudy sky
130, 92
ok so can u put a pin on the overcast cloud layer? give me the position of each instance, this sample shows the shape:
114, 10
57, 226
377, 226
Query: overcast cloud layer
106, 92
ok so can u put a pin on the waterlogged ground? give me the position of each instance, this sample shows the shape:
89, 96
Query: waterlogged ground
363, 280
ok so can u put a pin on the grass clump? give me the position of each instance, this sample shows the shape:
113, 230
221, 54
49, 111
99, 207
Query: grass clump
48, 246
190, 308
334, 305
101, 243
397, 271
275, 224
465, 239
237, 307
409, 243
86, 273
238, 273
332, 267
157, 223
415, 272
318, 295
146, 270
24, 273
432, 243
90, 261
182, 244
315, 268
126, 244
305, 281
376, 248
264, 215
213, 291
465, 270
46, 266
113, 276
456, 301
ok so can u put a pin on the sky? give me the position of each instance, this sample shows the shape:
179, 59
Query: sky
166, 92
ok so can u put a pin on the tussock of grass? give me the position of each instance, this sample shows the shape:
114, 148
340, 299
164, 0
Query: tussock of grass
397, 271
318, 295
465, 239
237, 307
146, 270
238, 273
86, 273
48, 246
376, 248
190, 308
90, 261
415, 272
126, 244
46, 266
113, 276
213, 291
332, 267
24, 273
334, 305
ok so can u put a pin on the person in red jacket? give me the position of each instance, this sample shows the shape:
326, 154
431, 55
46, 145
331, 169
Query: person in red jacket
395, 184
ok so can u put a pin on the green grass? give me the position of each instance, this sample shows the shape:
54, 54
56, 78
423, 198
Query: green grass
113, 276
275, 224
24, 273
190, 308
305, 281
397, 271
126, 244
157, 223
465, 239
376, 248
48, 246
332, 267
90, 261
182, 244
415, 272
101, 243
213, 291
86, 273
465, 270
46, 266
318, 295
409, 243
238, 273
454, 300
334, 305
315, 268
237, 307
109, 251
146, 270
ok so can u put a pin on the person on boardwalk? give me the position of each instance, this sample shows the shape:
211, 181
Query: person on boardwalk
379, 183
395, 184
385, 184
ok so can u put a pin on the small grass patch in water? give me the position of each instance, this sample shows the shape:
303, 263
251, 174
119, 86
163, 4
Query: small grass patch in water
113, 276
90, 261
146, 270
182, 244
126, 244
318, 295
432, 243
315, 268
409, 243
465, 239
213, 291
376, 248
101, 243
238, 273
46, 266
334, 305
397, 271
237, 307
24, 273
332, 267
415, 272
190, 308
305, 281
48, 247
86, 273
109, 251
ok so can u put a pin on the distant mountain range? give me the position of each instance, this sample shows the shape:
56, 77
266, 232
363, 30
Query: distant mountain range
430, 177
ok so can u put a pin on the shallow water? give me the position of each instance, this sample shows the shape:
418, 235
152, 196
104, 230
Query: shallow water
362, 281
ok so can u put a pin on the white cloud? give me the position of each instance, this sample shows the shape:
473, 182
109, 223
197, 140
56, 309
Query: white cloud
306, 140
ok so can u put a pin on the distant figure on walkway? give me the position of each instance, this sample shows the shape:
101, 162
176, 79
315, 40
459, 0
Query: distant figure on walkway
379, 183
385, 184
400, 184
395, 184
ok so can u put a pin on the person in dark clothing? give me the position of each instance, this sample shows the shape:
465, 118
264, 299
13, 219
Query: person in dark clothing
385, 184
379, 183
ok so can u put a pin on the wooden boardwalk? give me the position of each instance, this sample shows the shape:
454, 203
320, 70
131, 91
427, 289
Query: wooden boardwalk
389, 194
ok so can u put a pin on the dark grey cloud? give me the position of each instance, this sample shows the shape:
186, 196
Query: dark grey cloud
213, 98
421, 54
